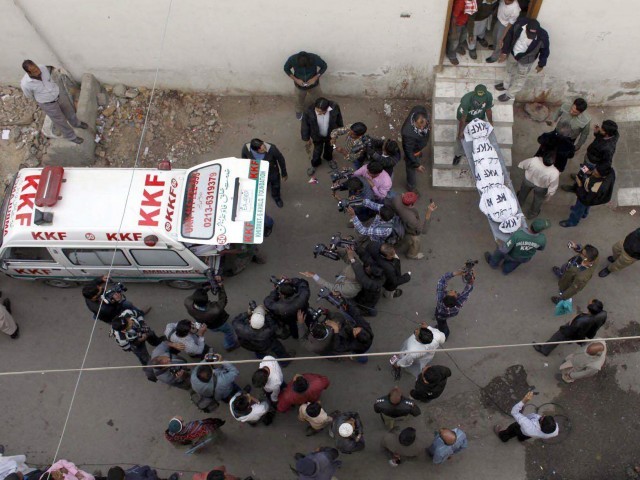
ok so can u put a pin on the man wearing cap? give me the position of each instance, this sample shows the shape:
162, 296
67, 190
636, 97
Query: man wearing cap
401, 444
347, 430
305, 69
394, 407
541, 176
188, 433
414, 225
476, 104
525, 42
321, 464
256, 331
594, 187
519, 247
447, 443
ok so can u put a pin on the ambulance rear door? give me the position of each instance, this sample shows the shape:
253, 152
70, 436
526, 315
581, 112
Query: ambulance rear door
224, 202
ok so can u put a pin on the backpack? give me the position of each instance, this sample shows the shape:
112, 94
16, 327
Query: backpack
397, 232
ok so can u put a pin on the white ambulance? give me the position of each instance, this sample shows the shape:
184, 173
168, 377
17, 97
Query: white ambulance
68, 225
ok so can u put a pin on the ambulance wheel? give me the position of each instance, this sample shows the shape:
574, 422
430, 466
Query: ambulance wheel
181, 284
59, 283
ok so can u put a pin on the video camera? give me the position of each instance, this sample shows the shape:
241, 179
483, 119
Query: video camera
331, 251
213, 284
333, 298
346, 203
175, 370
341, 175
212, 356
315, 314
278, 281
113, 289
252, 305
468, 275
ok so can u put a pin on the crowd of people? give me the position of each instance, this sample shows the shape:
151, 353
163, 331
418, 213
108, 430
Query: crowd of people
386, 224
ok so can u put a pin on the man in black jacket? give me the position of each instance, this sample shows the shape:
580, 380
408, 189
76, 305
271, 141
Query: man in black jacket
415, 135
284, 301
593, 188
525, 42
212, 314
583, 325
351, 332
394, 407
318, 121
256, 331
107, 301
626, 252
430, 383
256, 149
371, 277
384, 255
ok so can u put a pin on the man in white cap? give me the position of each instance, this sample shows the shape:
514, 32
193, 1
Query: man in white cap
347, 430
256, 331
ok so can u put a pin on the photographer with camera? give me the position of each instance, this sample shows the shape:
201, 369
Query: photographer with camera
167, 367
358, 190
449, 302
106, 300
317, 336
131, 333
213, 383
287, 297
381, 228
256, 331
212, 314
190, 334
357, 141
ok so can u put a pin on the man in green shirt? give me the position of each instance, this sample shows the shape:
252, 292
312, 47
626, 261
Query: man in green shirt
476, 104
520, 247
305, 69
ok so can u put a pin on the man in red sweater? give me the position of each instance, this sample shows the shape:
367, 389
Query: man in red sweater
304, 388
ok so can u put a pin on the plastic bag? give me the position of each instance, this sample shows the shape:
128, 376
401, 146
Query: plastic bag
564, 306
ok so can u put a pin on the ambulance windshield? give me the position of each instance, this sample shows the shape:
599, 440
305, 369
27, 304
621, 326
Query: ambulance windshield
199, 205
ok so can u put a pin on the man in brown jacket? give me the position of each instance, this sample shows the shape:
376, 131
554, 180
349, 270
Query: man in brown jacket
575, 274
414, 225
586, 362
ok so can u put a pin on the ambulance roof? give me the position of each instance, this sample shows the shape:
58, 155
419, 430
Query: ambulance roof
93, 200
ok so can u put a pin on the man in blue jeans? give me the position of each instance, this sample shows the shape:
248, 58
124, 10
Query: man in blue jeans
519, 247
594, 187
212, 314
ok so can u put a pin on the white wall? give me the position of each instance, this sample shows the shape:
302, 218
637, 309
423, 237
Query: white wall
239, 46
236, 47
593, 51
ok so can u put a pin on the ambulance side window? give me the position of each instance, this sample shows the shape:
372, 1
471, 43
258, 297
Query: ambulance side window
158, 258
27, 254
95, 258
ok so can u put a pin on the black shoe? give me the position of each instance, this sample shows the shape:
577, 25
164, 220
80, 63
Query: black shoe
555, 299
504, 97
154, 380
397, 293
7, 304
311, 171
83, 126
565, 224
299, 456
487, 257
483, 42
537, 348
499, 86
397, 372
333, 165
461, 50
610, 258
569, 188
557, 272
491, 60
279, 203
454, 61
604, 272
16, 334
78, 140
473, 54
456, 159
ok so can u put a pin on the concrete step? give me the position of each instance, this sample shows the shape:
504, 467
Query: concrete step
453, 178
628, 197
451, 90
490, 72
443, 156
445, 112
445, 134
